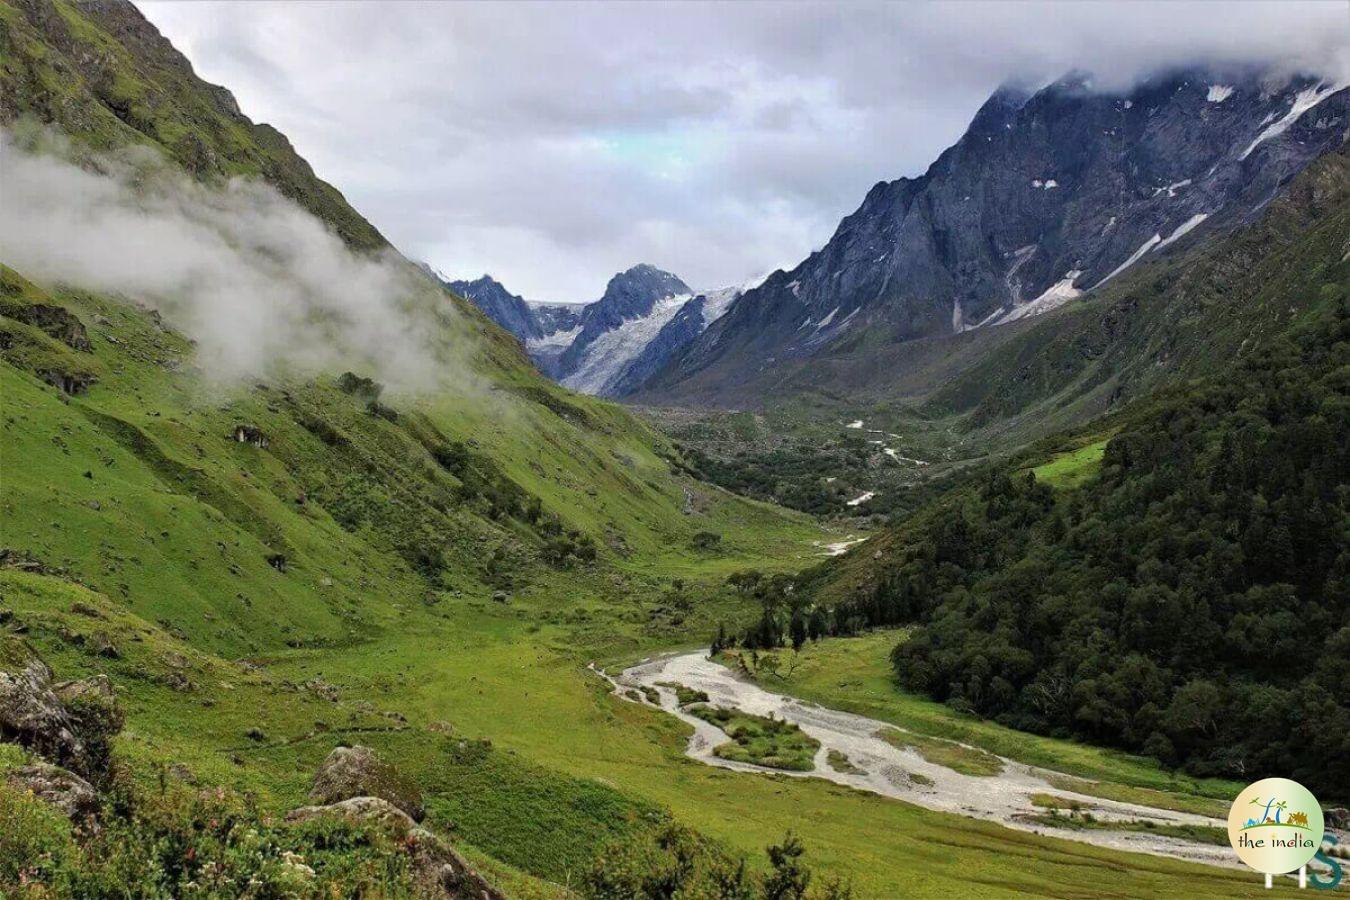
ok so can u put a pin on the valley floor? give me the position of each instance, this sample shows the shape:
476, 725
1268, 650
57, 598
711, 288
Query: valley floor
875, 756
530, 690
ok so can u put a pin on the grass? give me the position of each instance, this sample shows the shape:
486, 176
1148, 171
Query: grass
769, 742
839, 761
1125, 793
1078, 819
854, 674
958, 758
1069, 470
1052, 801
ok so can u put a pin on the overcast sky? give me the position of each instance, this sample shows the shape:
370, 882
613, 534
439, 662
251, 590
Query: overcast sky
553, 145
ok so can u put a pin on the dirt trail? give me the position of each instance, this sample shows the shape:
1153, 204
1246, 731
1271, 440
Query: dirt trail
887, 769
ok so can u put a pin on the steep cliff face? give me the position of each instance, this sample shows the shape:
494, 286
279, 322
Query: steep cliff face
1047, 196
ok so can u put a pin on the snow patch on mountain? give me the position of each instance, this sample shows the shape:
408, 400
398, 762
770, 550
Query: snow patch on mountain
1218, 93
1054, 297
1303, 101
615, 361
556, 340
608, 354
1172, 188
1182, 229
1134, 258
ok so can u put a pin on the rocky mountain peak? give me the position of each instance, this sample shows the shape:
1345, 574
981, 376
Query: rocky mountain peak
508, 310
632, 292
1048, 195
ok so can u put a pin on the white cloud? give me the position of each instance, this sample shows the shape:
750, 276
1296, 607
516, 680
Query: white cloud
261, 284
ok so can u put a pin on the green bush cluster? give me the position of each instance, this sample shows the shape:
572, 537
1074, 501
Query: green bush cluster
771, 742
182, 842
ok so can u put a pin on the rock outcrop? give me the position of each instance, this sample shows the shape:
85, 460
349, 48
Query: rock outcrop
355, 784
65, 790
32, 715
365, 810
350, 772
437, 868
55, 321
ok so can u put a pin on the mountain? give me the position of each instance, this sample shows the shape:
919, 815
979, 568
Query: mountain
1049, 196
642, 360
612, 345
501, 306
554, 317
629, 296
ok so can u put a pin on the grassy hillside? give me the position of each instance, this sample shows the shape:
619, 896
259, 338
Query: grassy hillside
104, 77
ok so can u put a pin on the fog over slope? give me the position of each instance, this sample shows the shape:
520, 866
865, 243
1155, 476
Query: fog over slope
261, 284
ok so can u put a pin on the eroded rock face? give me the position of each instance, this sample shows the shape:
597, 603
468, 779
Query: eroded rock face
70, 723
359, 772
56, 321
32, 714
60, 787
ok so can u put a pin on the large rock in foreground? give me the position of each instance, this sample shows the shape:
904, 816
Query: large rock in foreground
438, 869
358, 772
363, 810
60, 787
32, 714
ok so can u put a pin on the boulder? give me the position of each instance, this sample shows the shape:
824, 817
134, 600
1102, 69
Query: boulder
364, 810
96, 718
96, 689
358, 772
65, 790
32, 714
441, 871
1337, 817
245, 433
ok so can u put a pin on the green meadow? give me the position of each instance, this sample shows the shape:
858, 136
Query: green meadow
474, 681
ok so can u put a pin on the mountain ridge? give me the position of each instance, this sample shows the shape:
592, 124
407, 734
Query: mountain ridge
610, 346
1046, 195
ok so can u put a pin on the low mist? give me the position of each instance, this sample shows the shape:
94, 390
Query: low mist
262, 286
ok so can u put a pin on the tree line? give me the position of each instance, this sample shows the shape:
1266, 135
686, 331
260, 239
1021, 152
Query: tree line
1189, 603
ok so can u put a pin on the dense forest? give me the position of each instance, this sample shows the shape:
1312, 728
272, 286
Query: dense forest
1191, 602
